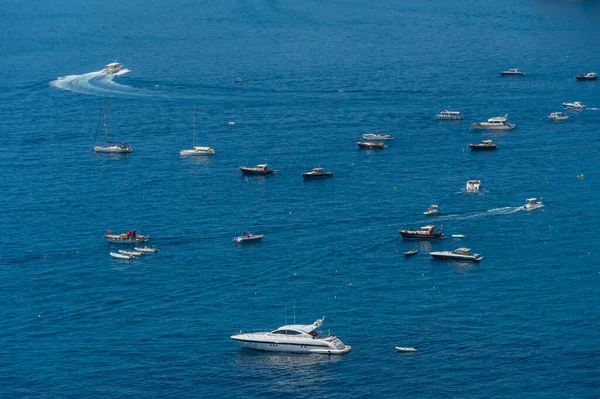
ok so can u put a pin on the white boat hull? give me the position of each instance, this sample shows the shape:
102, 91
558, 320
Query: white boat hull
114, 149
455, 257
405, 349
532, 207
302, 346
492, 127
121, 256
192, 153
146, 250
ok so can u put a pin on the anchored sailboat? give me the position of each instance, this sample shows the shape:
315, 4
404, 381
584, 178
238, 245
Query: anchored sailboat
111, 146
196, 150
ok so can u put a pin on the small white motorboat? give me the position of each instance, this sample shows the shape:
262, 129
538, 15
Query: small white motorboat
248, 237
447, 115
575, 105
559, 116
411, 252
432, 210
130, 253
587, 76
495, 123
458, 236
532, 203
473, 185
405, 349
121, 256
147, 250
238, 80
459, 254
112, 68
512, 72
377, 136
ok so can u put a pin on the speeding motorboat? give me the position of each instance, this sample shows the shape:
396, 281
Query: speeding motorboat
559, 116
371, 145
147, 250
495, 123
316, 173
447, 115
532, 203
587, 76
117, 255
424, 233
432, 210
129, 237
248, 237
112, 68
485, 145
377, 136
512, 72
459, 254
294, 338
473, 185
258, 170
575, 105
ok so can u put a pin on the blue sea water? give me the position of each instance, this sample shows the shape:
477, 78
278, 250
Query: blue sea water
75, 323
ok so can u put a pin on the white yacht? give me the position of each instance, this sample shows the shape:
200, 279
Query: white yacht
559, 116
459, 254
447, 115
473, 185
495, 123
512, 72
532, 203
575, 105
432, 210
295, 338
112, 68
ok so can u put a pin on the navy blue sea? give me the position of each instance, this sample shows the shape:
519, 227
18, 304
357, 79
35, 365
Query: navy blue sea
317, 74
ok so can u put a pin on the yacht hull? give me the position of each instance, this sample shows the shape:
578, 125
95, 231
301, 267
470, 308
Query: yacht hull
292, 347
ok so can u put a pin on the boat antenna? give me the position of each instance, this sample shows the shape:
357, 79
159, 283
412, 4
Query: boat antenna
285, 315
294, 312
98, 125
105, 125
194, 126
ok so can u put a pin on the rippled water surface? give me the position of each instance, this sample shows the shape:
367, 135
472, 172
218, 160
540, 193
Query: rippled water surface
76, 323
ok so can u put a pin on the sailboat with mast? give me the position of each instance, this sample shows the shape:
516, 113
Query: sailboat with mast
196, 150
111, 146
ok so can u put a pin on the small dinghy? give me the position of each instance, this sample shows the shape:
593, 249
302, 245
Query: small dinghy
130, 253
147, 250
405, 349
458, 236
121, 256
411, 252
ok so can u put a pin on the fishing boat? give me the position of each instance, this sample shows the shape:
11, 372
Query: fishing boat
587, 76
405, 349
248, 237
130, 253
559, 116
447, 115
473, 185
575, 106
377, 136
129, 237
485, 145
495, 123
258, 170
112, 68
147, 250
432, 210
424, 233
316, 173
117, 255
512, 72
459, 254
196, 150
111, 146
371, 145
294, 338
411, 252
532, 203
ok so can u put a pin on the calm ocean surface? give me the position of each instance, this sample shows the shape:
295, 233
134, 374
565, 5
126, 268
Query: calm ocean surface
76, 323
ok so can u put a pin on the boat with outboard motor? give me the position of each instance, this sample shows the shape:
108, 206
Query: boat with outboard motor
432, 210
129, 237
485, 145
512, 72
258, 170
117, 255
377, 136
248, 237
587, 76
112, 68
459, 254
495, 123
575, 106
447, 115
371, 145
316, 173
424, 233
295, 338
473, 185
532, 203
559, 116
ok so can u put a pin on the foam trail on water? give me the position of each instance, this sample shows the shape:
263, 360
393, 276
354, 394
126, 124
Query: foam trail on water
496, 211
99, 84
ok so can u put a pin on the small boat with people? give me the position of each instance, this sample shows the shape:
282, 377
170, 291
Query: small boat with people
248, 237
432, 210
485, 145
117, 255
532, 203
512, 72
587, 76
295, 338
575, 106
112, 68
258, 170
129, 237
147, 250
559, 116
130, 253
411, 252
405, 349
316, 173
377, 136
424, 233
114, 147
495, 123
447, 115
371, 145
459, 254
473, 185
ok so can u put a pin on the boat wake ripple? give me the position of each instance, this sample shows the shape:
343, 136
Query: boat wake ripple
472, 215
98, 84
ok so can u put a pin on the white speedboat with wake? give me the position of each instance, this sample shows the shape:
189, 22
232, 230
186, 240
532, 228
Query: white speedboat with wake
532, 203
575, 106
459, 254
294, 338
